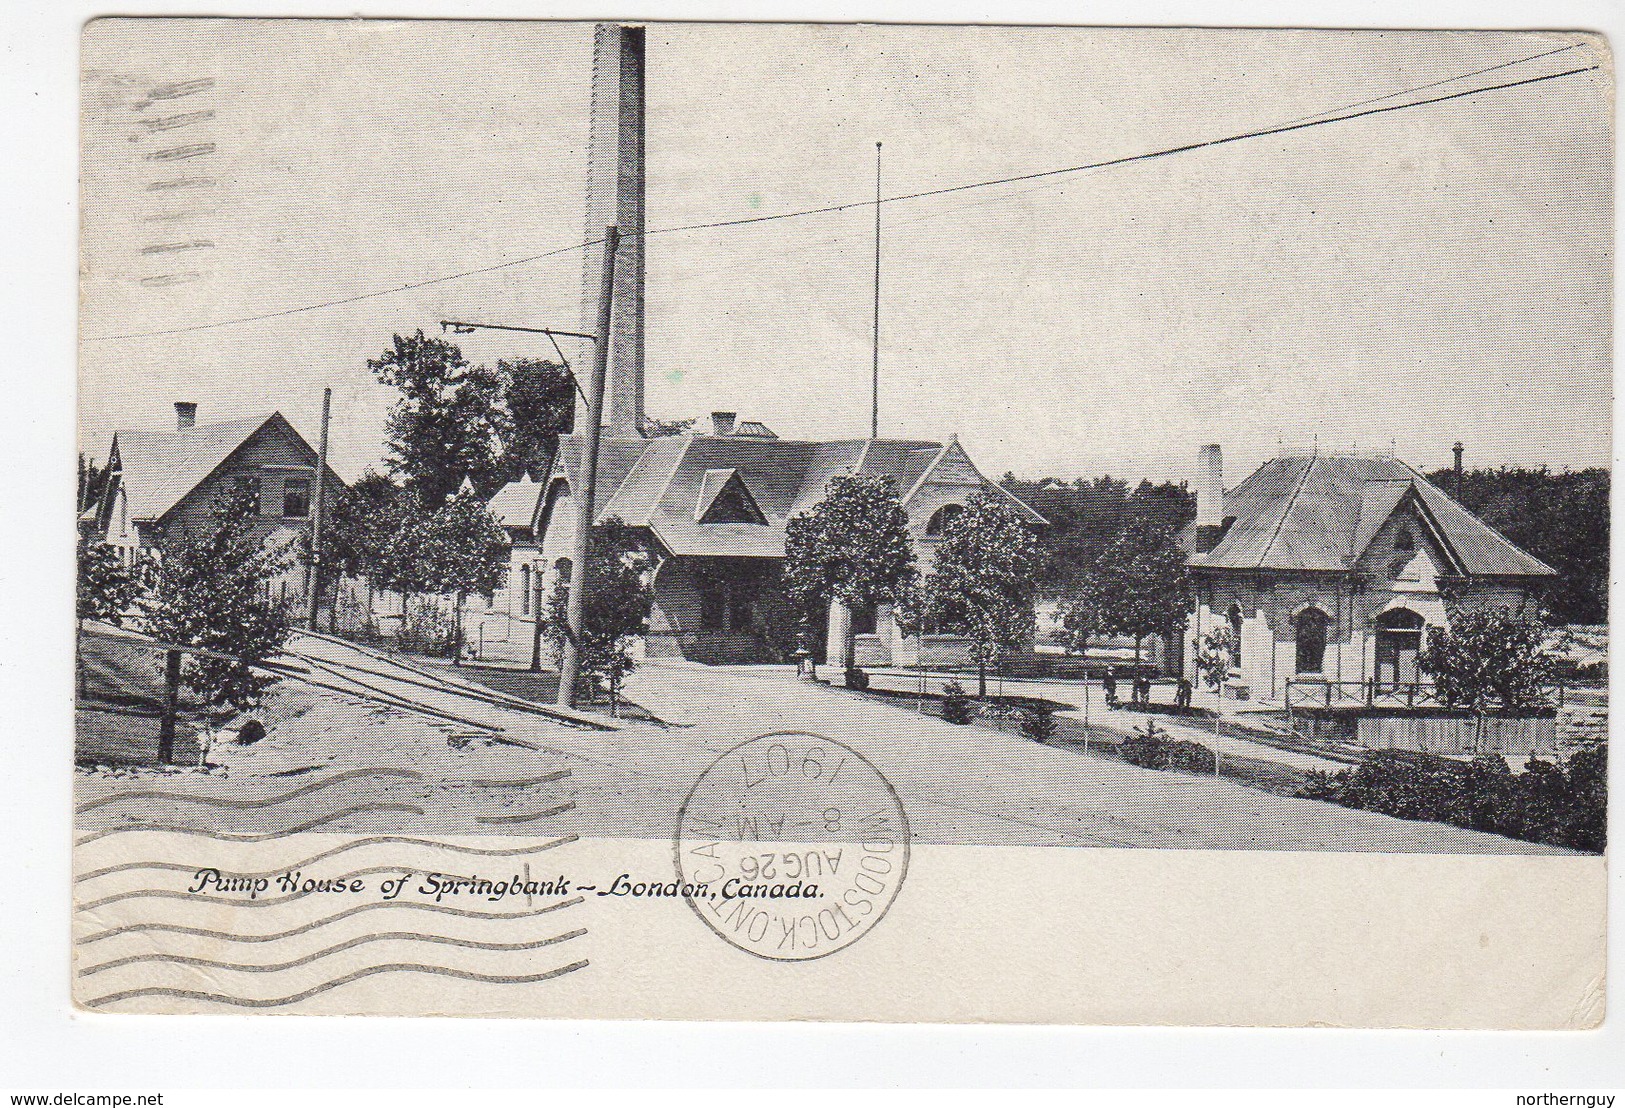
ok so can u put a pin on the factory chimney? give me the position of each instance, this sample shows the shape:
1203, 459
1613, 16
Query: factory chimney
615, 188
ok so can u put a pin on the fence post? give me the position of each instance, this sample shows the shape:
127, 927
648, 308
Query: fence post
172, 695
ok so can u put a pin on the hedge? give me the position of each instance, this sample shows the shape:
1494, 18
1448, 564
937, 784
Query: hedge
1560, 804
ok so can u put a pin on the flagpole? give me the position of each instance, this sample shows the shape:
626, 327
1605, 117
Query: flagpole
874, 383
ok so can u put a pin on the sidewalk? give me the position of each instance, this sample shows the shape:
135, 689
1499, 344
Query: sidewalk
1120, 721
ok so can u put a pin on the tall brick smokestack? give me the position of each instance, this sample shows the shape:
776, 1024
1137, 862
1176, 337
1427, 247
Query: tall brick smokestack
615, 196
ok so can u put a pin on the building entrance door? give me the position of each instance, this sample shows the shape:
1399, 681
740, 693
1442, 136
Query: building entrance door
1399, 641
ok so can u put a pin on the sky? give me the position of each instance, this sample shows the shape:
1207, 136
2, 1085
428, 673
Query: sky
1399, 281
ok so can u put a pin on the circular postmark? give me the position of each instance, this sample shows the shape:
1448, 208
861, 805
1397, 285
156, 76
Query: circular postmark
792, 846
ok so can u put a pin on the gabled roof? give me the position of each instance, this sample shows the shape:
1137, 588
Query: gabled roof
515, 503
1321, 513
158, 468
722, 490
665, 484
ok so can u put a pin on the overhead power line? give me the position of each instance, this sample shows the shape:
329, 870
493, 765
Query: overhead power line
1435, 84
1281, 129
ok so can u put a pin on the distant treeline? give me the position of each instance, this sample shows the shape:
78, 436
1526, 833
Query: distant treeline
1560, 518
1085, 515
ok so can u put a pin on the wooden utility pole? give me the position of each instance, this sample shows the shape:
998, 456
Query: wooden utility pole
171, 707
570, 655
320, 485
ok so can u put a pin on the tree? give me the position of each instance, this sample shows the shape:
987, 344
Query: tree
456, 421
852, 547
1490, 658
655, 428
1560, 518
458, 548
538, 402
1216, 655
1085, 614
1142, 582
982, 582
210, 590
361, 524
619, 600
107, 588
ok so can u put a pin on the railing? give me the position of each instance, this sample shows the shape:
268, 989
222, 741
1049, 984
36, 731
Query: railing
1371, 693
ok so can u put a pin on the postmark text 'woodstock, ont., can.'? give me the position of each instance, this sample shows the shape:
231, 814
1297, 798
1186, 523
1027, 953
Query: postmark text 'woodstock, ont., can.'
792, 846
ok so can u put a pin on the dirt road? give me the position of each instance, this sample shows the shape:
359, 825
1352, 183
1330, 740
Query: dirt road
958, 784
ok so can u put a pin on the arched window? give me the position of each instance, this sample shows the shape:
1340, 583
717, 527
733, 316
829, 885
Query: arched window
865, 619
524, 590
1403, 540
1312, 625
941, 518
1233, 617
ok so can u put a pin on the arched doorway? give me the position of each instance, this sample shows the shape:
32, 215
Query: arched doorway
1399, 641
1311, 626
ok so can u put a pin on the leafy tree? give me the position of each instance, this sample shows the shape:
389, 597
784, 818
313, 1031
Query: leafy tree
210, 589
458, 548
619, 600
1216, 654
1142, 582
982, 583
456, 421
1086, 614
538, 402
853, 546
1560, 518
1087, 514
1490, 658
654, 428
361, 524
108, 588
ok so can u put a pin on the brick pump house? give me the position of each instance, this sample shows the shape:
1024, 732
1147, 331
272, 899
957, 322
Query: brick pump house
161, 482
1332, 568
712, 507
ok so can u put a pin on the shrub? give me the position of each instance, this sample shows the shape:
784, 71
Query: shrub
856, 678
955, 704
1151, 748
1038, 722
426, 627
1560, 804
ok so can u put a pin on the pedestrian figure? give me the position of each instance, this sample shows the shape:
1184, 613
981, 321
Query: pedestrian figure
1182, 695
1108, 684
1142, 690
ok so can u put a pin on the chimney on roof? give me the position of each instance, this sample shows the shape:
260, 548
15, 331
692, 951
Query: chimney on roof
185, 415
722, 423
1209, 497
1458, 448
